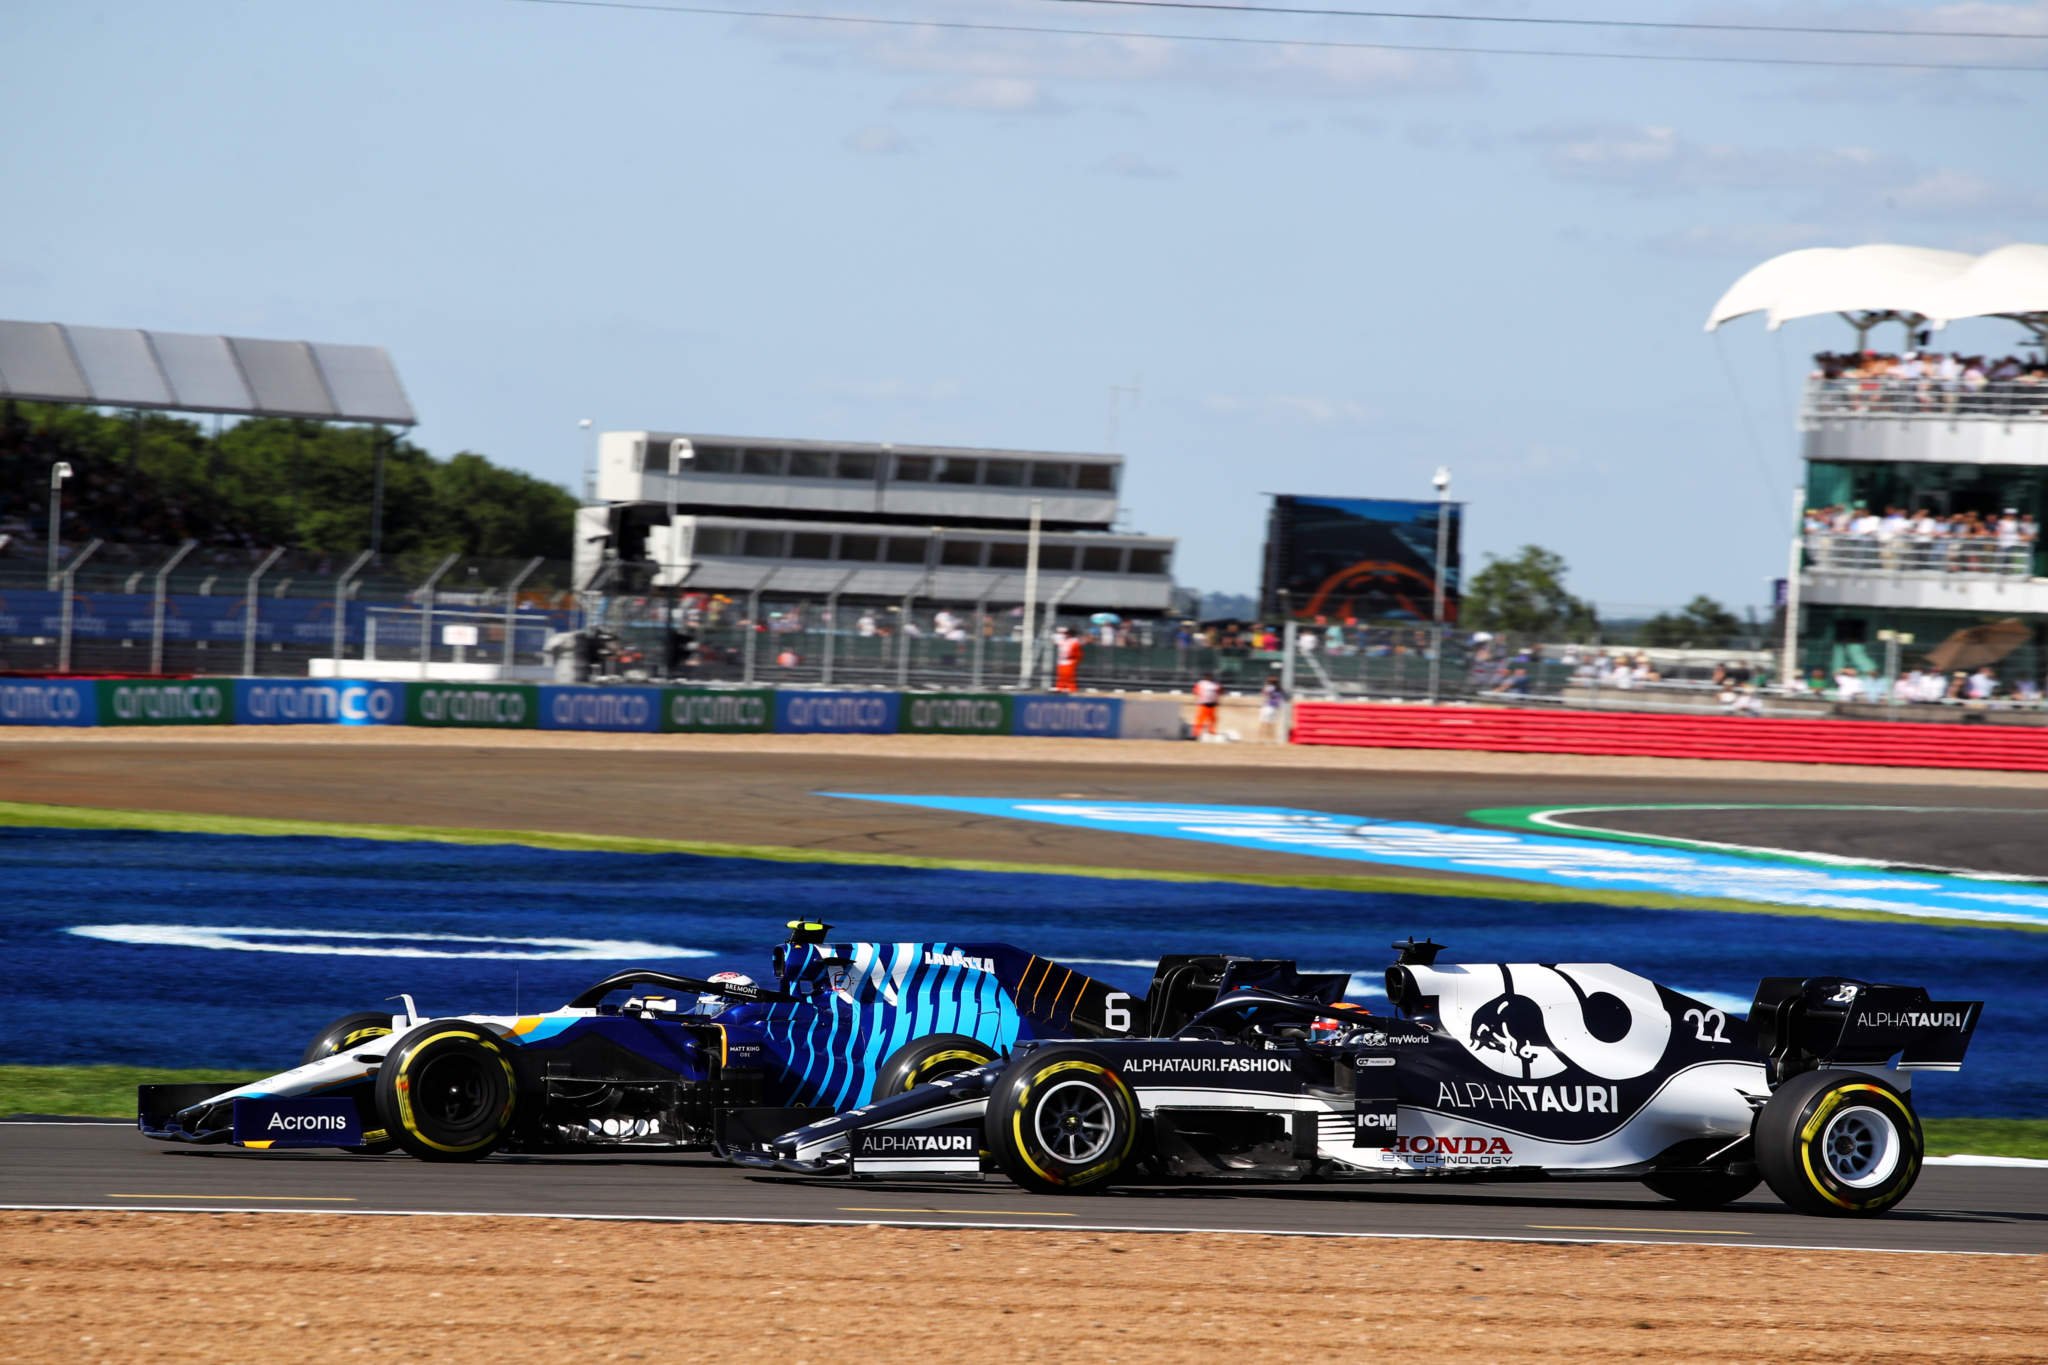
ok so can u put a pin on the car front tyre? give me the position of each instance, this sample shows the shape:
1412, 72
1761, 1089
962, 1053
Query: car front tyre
347, 1034
928, 1059
1839, 1143
1061, 1122
447, 1090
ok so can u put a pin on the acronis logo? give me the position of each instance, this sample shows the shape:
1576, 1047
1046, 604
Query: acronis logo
956, 958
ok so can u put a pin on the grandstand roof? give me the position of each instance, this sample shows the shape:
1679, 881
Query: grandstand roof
1906, 280
122, 367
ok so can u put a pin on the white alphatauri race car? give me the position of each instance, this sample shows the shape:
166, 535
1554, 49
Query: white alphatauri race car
1488, 1071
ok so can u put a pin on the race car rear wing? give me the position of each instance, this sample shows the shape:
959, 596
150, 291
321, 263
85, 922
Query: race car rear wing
1803, 1022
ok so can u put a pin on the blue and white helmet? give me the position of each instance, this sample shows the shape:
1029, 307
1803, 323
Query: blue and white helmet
709, 1004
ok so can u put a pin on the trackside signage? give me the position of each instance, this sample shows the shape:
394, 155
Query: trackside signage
716, 711
635, 709
836, 713
189, 701
298, 1122
58, 702
955, 713
318, 701
473, 706
1075, 717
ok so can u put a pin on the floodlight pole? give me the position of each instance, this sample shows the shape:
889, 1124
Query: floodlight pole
981, 626
512, 603
1029, 645
163, 578
64, 586
427, 611
832, 624
249, 621
1789, 679
341, 610
1443, 539
377, 493
59, 472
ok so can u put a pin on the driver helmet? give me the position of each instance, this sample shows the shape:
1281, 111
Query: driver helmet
715, 1004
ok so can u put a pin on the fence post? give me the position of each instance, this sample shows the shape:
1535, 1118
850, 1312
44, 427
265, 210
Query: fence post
427, 612
1287, 654
903, 643
156, 633
512, 604
66, 580
249, 621
753, 630
1436, 661
981, 629
341, 608
832, 624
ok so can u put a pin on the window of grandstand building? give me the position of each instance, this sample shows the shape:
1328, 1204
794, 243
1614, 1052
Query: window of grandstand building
906, 549
1003, 473
1056, 558
810, 545
763, 462
1009, 554
866, 549
1096, 478
810, 464
763, 544
914, 468
961, 554
717, 540
1045, 475
954, 469
856, 465
1147, 561
1102, 559
710, 459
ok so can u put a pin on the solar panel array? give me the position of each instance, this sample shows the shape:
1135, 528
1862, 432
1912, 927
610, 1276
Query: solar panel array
123, 367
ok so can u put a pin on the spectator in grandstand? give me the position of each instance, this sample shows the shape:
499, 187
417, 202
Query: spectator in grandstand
1848, 685
1272, 701
1982, 684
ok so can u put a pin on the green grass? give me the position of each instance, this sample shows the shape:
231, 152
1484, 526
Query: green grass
109, 1092
94, 1091
22, 814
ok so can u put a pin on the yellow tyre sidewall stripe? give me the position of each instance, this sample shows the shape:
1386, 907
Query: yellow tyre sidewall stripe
925, 1064
1119, 1093
1834, 1100
361, 1035
403, 1088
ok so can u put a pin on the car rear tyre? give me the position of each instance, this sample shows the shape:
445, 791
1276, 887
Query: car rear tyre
447, 1090
1840, 1143
929, 1058
1704, 1189
346, 1034
1061, 1122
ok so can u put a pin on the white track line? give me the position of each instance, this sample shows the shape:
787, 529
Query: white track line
994, 1227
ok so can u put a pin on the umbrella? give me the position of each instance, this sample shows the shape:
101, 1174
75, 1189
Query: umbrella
1106, 618
1975, 646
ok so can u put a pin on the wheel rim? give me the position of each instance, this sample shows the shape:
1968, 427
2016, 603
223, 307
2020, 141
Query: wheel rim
1075, 1123
453, 1091
1861, 1147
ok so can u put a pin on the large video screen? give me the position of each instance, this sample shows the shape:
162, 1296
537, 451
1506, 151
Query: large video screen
1362, 559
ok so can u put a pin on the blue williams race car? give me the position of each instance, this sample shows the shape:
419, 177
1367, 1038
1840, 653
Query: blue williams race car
1487, 1071
648, 1059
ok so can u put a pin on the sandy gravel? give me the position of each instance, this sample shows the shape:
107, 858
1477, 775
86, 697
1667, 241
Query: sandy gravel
1114, 753
238, 1287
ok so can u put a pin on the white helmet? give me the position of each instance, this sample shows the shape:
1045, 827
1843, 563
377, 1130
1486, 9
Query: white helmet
715, 1004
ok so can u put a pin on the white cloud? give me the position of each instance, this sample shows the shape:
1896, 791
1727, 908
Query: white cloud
1742, 241
1135, 167
1286, 407
985, 94
877, 140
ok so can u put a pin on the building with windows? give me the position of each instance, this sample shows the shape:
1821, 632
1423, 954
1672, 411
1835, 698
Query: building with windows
735, 514
1926, 467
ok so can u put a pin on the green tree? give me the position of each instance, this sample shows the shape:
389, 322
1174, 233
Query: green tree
1525, 595
1701, 623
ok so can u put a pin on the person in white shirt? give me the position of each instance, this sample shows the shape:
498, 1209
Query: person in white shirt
1983, 683
1623, 675
1848, 685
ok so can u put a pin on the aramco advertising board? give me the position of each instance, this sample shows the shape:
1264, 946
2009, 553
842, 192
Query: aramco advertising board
1359, 559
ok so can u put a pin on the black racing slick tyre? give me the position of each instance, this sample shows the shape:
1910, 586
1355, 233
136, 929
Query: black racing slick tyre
447, 1090
1840, 1143
1704, 1189
929, 1058
347, 1034
1060, 1121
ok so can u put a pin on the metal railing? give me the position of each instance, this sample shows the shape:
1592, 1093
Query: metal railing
2002, 400
1976, 556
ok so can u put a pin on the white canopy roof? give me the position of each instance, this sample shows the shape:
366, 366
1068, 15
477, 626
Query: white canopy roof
1921, 281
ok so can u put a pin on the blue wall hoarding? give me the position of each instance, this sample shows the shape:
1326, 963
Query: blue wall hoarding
54, 701
279, 620
836, 713
633, 709
318, 701
1071, 717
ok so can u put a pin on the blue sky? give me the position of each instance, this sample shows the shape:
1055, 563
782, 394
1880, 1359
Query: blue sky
1327, 270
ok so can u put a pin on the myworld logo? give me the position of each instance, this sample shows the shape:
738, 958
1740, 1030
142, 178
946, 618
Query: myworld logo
472, 706
168, 702
30, 702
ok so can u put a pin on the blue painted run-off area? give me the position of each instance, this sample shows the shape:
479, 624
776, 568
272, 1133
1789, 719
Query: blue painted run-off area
232, 951
1583, 864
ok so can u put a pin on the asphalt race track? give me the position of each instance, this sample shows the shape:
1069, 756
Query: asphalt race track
110, 1166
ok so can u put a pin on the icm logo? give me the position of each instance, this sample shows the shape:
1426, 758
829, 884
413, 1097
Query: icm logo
190, 702
1092, 717
688, 711
601, 710
865, 713
467, 706
1376, 1121
28, 702
956, 713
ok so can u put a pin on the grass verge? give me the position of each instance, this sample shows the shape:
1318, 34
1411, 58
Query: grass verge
24, 814
109, 1092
